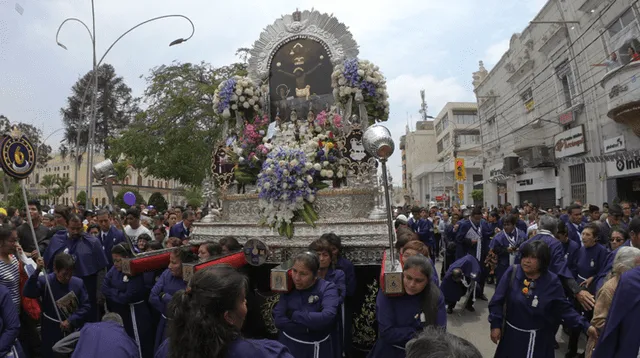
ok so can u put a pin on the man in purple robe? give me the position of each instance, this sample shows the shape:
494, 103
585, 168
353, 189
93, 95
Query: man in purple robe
458, 280
422, 226
110, 236
620, 336
574, 225
472, 240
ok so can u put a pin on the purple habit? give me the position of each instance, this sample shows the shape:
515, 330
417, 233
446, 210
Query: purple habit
398, 321
570, 249
620, 336
589, 262
308, 316
500, 245
608, 265
337, 277
110, 239
160, 296
452, 290
350, 275
105, 340
51, 333
541, 311
240, 348
9, 325
128, 300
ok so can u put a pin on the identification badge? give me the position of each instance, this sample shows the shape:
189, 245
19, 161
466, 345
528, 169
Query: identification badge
534, 303
66, 250
422, 317
592, 263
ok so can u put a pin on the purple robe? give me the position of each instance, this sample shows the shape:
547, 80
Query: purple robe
240, 348
398, 321
607, 267
570, 249
89, 260
620, 335
424, 229
51, 333
110, 239
9, 325
590, 262
128, 299
574, 233
302, 323
500, 245
452, 290
350, 275
105, 340
168, 285
337, 277
541, 311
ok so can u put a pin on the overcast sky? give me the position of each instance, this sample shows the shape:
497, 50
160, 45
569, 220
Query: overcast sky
419, 44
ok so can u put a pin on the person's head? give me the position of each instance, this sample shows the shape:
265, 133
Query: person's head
229, 244
143, 242
413, 248
206, 317
549, 223
457, 274
401, 220
48, 220
93, 230
179, 256
575, 213
509, 223
75, 226
8, 240
508, 207
133, 217
305, 270
626, 209
445, 216
63, 267
615, 214
159, 233
173, 218
590, 235
61, 215
626, 259
618, 237
416, 279
174, 242
493, 217
594, 212
322, 248
154, 245
631, 51
402, 238
634, 232
35, 209
536, 256
188, 217
476, 215
103, 217
209, 249
118, 253
435, 342
563, 232
335, 242
113, 317
614, 56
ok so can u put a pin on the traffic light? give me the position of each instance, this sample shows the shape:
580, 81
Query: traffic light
461, 172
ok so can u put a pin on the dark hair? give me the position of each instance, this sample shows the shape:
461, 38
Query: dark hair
63, 261
154, 245
5, 232
231, 243
174, 241
185, 254
63, 211
431, 293
93, 226
595, 230
145, 237
540, 250
187, 214
624, 232
436, 342
476, 211
562, 228
133, 212
403, 238
634, 226
511, 219
333, 240
418, 246
574, 207
75, 218
197, 327
36, 203
310, 260
121, 250
213, 248
320, 245
103, 212
593, 208
494, 214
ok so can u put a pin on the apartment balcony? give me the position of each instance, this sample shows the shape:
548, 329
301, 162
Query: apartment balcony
622, 85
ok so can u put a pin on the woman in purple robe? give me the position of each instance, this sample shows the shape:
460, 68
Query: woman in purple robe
536, 303
167, 285
328, 272
88, 255
307, 316
506, 243
401, 318
206, 318
63, 283
458, 280
591, 257
9, 326
126, 295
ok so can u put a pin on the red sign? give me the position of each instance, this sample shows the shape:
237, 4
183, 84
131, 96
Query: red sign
566, 118
439, 198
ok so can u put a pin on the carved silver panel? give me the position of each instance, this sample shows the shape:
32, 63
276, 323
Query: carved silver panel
323, 28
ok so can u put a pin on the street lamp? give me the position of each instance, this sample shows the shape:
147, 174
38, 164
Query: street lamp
96, 64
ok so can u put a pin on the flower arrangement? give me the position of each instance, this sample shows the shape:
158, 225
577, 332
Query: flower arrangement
321, 146
250, 149
286, 189
361, 77
237, 94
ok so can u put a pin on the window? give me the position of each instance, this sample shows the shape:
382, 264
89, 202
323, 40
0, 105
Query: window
438, 128
463, 139
126, 181
439, 146
578, 180
527, 99
622, 22
465, 117
566, 78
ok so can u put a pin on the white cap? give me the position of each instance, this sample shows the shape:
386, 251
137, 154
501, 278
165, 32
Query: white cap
402, 219
463, 207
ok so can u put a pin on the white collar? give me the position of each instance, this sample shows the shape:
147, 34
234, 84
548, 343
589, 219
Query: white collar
545, 232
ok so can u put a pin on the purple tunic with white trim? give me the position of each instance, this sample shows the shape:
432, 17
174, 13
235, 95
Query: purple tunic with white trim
105, 340
169, 285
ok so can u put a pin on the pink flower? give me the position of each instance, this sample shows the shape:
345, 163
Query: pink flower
321, 118
337, 120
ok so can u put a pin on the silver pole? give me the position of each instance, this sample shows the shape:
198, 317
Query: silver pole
392, 235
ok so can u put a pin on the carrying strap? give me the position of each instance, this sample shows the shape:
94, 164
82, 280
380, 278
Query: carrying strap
512, 278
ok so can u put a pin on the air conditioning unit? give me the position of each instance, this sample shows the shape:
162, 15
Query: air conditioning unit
536, 157
511, 165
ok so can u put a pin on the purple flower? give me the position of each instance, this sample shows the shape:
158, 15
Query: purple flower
225, 94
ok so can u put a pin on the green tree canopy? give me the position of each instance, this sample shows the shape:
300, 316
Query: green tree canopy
82, 197
157, 199
175, 136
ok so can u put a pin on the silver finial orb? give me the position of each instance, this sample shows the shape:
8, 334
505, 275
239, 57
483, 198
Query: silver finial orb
377, 141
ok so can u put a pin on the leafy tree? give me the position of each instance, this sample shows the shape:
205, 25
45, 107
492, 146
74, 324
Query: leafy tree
63, 184
477, 194
82, 197
115, 108
48, 182
193, 196
157, 199
119, 199
174, 137
122, 170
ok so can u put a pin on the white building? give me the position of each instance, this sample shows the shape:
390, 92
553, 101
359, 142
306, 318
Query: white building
555, 128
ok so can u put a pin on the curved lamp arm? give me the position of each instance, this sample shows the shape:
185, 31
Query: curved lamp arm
72, 19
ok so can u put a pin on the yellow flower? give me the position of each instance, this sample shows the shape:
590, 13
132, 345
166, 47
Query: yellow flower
526, 282
330, 145
525, 290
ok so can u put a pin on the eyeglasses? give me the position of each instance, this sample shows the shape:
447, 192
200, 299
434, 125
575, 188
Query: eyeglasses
616, 239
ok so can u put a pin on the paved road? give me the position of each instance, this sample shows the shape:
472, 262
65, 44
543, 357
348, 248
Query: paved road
474, 326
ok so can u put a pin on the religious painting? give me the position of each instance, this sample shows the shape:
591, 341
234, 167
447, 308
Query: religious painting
300, 79
353, 147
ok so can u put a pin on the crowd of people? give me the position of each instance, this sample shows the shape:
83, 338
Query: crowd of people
573, 268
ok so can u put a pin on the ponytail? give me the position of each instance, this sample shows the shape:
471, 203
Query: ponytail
430, 296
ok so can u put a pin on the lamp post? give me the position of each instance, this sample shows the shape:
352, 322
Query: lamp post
96, 65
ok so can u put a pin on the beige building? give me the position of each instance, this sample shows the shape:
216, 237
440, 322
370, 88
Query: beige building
64, 167
418, 157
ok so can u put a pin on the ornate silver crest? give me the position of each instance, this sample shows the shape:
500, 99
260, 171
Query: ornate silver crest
334, 36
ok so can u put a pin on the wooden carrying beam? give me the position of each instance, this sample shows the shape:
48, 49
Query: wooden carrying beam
148, 261
236, 259
280, 279
390, 277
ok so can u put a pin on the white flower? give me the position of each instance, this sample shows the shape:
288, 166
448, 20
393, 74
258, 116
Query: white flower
294, 162
246, 105
241, 159
299, 182
234, 107
308, 165
329, 174
256, 108
226, 113
249, 91
339, 175
125, 278
323, 173
251, 101
238, 91
325, 164
317, 166
241, 98
309, 178
234, 97
360, 73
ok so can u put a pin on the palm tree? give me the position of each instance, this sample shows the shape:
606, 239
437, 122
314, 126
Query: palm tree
122, 170
48, 181
62, 187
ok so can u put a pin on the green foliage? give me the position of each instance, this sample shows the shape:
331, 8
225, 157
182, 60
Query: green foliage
363, 325
55, 187
82, 197
122, 170
174, 137
193, 196
119, 199
157, 199
477, 194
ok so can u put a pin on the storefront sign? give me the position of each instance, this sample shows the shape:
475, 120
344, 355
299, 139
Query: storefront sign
614, 144
566, 118
623, 167
570, 142
538, 180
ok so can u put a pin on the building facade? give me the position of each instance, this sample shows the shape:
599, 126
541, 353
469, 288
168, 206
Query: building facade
64, 167
557, 129
418, 152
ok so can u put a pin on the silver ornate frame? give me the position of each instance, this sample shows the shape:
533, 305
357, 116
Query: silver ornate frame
334, 36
